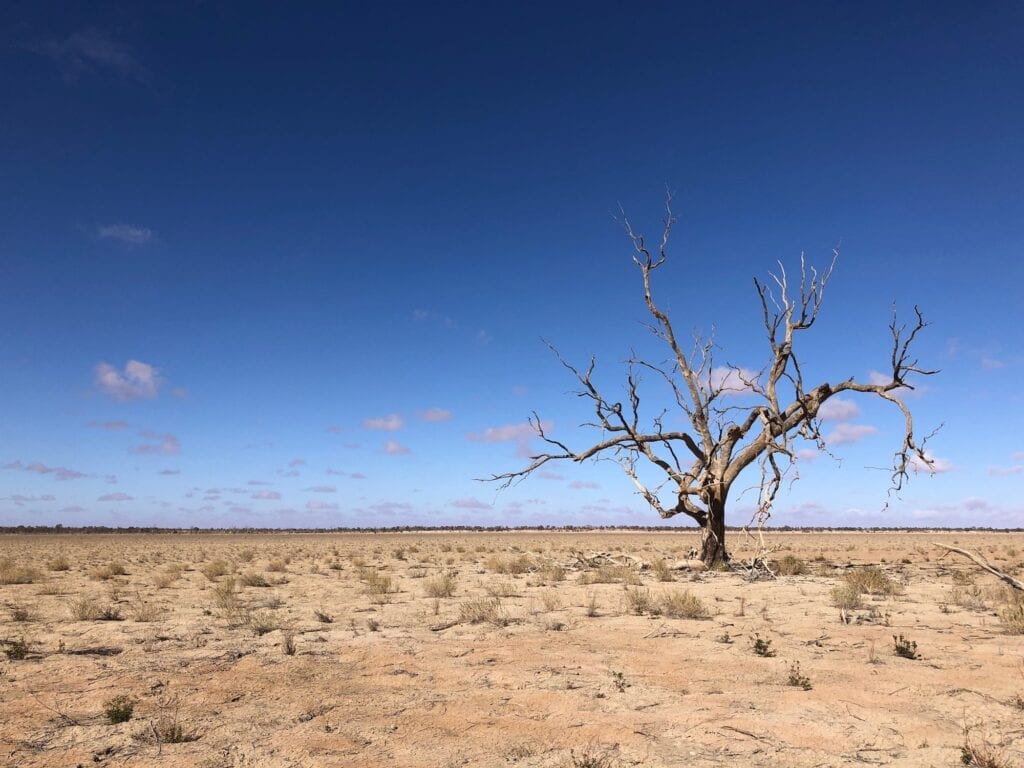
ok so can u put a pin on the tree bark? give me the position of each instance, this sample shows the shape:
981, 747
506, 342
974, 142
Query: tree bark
712, 536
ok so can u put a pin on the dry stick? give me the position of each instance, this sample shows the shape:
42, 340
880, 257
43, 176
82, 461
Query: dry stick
984, 564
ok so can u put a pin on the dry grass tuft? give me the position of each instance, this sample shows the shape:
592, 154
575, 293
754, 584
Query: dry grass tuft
480, 610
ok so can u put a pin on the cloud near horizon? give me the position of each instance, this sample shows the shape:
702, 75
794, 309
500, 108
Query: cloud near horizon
138, 381
469, 503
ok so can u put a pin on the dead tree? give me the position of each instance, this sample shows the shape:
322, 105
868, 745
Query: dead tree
699, 466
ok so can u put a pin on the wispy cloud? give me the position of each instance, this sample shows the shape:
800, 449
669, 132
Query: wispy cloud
91, 51
266, 496
343, 473
520, 434
1015, 468
125, 233
321, 506
297, 463
848, 434
170, 472
138, 381
60, 473
933, 466
838, 409
109, 426
115, 497
390, 423
164, 445
335, 429
321, 489
469, 503
436, 414
732, 381
20, 500
582, 484
395, 448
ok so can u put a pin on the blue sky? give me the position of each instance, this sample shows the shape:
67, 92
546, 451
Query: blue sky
291, 266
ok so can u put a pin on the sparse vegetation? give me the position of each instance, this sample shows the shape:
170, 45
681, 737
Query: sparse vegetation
904, 647
681, 604
797, 678
442, 585
762, 646
481, 610
119, 709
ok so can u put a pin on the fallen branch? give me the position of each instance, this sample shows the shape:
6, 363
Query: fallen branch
984, 564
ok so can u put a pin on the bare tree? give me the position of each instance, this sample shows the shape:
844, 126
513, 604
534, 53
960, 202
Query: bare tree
699, 466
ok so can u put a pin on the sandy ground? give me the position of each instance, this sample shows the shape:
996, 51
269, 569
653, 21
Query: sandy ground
568, 666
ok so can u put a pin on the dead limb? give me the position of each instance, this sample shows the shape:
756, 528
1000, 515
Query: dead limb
985, 565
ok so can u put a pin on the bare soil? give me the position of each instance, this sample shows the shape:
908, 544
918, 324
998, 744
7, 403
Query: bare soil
565, 665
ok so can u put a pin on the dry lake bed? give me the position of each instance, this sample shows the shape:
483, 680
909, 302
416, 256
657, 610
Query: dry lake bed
505, 649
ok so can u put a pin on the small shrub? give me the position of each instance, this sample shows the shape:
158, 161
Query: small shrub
550, 599
790, 566
12, 573
591, 607
512, 566
1012, 616
323, 617
261, 622
253, 580
16, 650
639, 601
143, 611
225, 598
871, 580
110, 613
682, 605
58, 563
277, 565
85, 609
763, 647
590, 758
797, 679
379, 586
288, 642
440, 586
372, 625
904, 647
505, 588
21, 613
214, 569
846, 597
481, 610
619, 681
552, 573
661, 570
119, 709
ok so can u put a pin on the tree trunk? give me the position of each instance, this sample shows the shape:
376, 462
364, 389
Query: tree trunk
712, 536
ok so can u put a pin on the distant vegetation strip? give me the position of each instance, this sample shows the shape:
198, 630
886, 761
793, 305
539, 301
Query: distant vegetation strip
60, 529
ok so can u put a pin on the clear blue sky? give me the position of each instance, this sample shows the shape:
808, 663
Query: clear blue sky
286, 265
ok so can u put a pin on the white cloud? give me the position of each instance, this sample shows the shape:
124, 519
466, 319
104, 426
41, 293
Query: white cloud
847, 434
165, 445
732, 381
470, 503
321, 506
838, 409
395, 448
138, 381
60, 473
520, 434
390, 423
321, 489
266, 496
582, 484
125, 233
115, 497
934, 465
436, 414
91, 51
